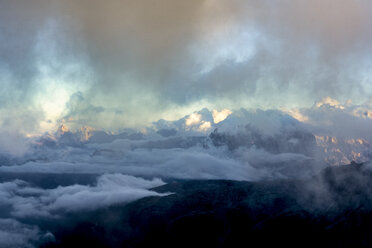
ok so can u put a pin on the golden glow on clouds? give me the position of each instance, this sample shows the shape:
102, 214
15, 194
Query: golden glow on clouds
63, 129
339, 151
219, 116
205, 126
86, 133
296, 113
329, 101
362, 112
193, 119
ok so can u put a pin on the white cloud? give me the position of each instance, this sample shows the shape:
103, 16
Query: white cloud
26, 200
193, 119
219, 116
14, 234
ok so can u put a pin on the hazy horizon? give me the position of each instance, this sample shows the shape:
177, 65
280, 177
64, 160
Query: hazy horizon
102, 102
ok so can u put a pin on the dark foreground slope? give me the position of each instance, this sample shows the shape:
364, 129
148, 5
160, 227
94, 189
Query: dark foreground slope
333, 209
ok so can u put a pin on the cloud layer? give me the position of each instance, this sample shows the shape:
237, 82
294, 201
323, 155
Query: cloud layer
143, 64
25, 200
238, 145
133, 62
14, 234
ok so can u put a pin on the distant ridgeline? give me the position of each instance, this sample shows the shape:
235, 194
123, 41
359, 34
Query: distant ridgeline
272, 131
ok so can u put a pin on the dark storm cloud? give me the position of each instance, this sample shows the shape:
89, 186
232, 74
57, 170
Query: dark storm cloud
156, 44
155, 57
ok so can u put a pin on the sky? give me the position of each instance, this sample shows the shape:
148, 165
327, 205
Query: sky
128, 94
117, 64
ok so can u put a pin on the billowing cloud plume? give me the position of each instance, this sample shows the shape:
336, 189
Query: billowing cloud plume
25, 200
